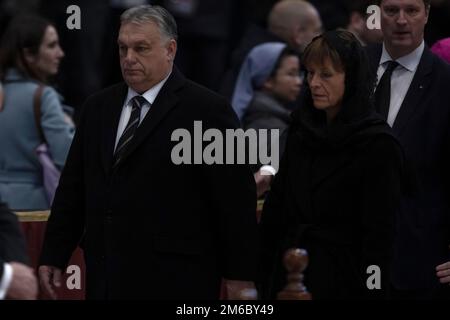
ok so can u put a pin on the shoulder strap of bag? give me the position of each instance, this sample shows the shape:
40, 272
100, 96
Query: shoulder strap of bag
37, 110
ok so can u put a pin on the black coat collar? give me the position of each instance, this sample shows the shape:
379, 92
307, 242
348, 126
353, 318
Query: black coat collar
164, 102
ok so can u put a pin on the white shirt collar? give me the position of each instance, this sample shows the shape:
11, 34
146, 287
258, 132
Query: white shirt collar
149, 95
410, 61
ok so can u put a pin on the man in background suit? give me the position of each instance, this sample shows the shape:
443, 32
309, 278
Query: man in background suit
151, 229
17, 280
415, 102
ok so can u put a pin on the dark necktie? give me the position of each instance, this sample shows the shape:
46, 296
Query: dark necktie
136, 104
383, 91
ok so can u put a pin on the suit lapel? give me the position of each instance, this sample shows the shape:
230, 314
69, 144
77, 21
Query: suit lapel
163, 104
418, 87
110, 121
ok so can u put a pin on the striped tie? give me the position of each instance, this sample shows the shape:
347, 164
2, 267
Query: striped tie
136, 103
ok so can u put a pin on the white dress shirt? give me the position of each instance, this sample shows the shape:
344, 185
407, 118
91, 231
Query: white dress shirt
149, 95
5, 281
401, 77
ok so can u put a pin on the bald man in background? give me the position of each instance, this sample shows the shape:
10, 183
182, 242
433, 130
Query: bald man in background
294, 22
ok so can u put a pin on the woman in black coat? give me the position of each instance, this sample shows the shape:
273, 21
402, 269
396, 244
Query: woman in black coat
339, 182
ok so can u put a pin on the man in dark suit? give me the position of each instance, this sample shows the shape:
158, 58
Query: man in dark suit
17, 280
151, 229
413, 96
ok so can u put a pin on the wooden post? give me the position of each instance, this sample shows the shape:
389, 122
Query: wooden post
295, 261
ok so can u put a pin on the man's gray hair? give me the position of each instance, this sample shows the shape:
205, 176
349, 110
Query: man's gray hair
156, 14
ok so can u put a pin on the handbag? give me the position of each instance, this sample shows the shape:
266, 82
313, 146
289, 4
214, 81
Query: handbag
50, 172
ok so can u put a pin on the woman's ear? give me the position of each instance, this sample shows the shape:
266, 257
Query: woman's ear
29, 57
268, 84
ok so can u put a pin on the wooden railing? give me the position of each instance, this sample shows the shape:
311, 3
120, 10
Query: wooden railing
33, 216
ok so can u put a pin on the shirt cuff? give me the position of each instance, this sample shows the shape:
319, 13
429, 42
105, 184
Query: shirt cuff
268, 170
6, 280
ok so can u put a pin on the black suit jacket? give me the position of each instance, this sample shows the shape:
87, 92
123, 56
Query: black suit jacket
153, 229
422, 126
12, 243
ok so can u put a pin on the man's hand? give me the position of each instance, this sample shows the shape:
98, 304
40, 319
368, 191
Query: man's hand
263, 182
50, 277
443, 272
240, 290
23, 285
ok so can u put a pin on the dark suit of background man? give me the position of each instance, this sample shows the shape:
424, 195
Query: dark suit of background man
17, 280
150, 228
419, 112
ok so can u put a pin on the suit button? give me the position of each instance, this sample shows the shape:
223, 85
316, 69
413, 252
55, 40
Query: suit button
109, 212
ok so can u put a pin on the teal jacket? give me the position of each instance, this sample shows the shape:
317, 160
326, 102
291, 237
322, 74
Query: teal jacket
21, 183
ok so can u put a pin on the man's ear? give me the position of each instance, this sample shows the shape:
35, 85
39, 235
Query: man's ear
357, 21
297, 36
171, 49
427, 12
